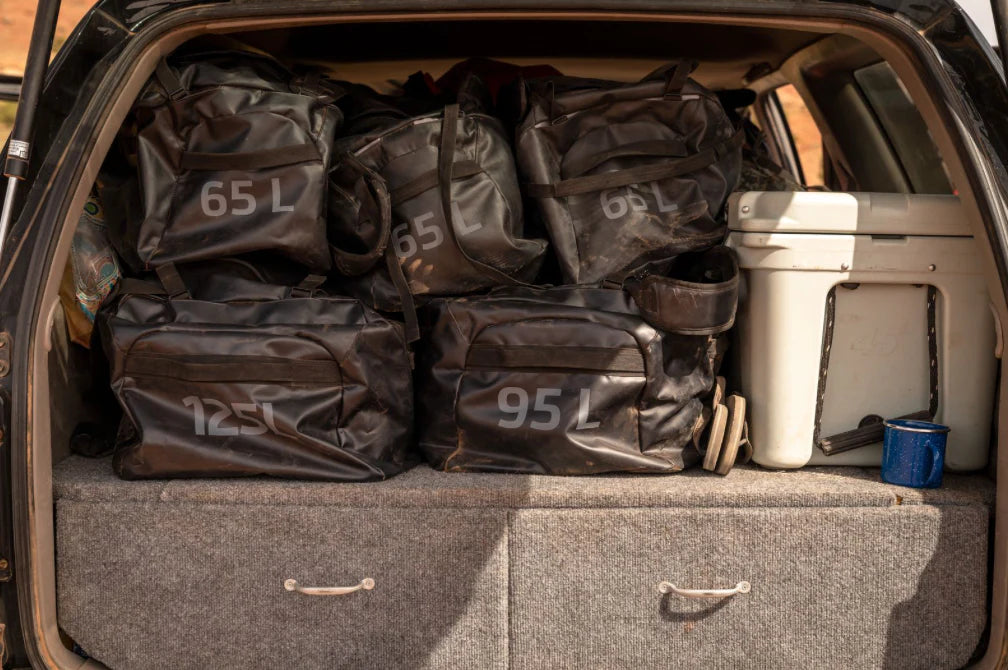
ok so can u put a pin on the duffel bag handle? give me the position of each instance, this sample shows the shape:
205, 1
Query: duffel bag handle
669, 86
447, 170
244, 161
354, 264
658, 148
641, 174
172, 285
689, 307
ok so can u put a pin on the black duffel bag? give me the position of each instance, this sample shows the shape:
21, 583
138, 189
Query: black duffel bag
574, 379
627, 175
426, 206
232, 153
292, 385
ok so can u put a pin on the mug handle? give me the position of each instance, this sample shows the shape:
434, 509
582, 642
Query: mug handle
936, 463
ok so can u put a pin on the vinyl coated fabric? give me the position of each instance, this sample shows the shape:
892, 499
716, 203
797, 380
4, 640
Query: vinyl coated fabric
566, 380
232, 154
627, 175
438, 196
304, 387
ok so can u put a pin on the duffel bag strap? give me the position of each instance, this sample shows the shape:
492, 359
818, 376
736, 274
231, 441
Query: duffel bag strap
354, 264
688, 307
172, 281
306, 287
169, 80
249, 160
637, 175
677, 77
446, 172
430, 179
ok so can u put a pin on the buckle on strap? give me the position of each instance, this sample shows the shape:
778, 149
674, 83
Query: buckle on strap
307, 287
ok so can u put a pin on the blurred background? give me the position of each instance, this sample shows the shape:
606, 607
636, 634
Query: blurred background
16, 18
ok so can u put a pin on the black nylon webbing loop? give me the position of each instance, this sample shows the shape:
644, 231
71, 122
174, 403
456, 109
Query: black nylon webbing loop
678, 77
625, 360
169, 81
354, 264
172, 281
197, 368
249, 160
429, 180
635, 175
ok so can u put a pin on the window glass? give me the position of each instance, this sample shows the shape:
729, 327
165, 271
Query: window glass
904, 127
804, 133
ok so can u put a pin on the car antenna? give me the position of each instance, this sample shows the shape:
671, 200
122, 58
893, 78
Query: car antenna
19, 146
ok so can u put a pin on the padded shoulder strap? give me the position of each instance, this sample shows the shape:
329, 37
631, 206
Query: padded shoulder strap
689, 307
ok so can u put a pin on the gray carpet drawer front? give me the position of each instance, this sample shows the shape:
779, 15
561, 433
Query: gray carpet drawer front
887, 587
175, 585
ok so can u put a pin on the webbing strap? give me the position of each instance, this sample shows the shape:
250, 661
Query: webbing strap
429, 180
405, 295
678, 77
446, 163
356, 264
626, 360
673, 148
195, 368
307, 286
172, 281
169, 81
131, 286
636, 175
249, 160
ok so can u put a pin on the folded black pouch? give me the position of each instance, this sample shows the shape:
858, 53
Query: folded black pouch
575, 380
425, 205
289, 383
626, 175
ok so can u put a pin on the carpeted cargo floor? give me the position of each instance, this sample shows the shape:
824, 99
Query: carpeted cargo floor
500, 571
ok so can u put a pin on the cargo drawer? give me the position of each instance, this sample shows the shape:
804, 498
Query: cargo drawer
856, 587
169, 585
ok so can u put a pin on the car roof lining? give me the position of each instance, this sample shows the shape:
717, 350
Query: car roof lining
726, 53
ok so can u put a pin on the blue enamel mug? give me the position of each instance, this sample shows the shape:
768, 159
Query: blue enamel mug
913, 453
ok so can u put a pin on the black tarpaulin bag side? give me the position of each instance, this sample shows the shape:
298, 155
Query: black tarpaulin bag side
575, 380
627, 175
232, 152
295, 384
428, 206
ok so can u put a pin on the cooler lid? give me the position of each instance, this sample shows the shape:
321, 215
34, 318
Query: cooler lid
847, 213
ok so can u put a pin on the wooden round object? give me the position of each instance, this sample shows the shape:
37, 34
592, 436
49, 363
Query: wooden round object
733, 434
716, 437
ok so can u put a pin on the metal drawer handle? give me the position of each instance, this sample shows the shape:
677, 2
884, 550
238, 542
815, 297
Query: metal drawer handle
291, 585
669, 587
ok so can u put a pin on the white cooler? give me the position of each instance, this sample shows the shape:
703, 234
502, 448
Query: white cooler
834, 321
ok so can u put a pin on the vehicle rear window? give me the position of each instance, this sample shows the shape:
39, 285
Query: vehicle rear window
904, 127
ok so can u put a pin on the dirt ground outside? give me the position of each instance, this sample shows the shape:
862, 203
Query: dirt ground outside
16, 19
